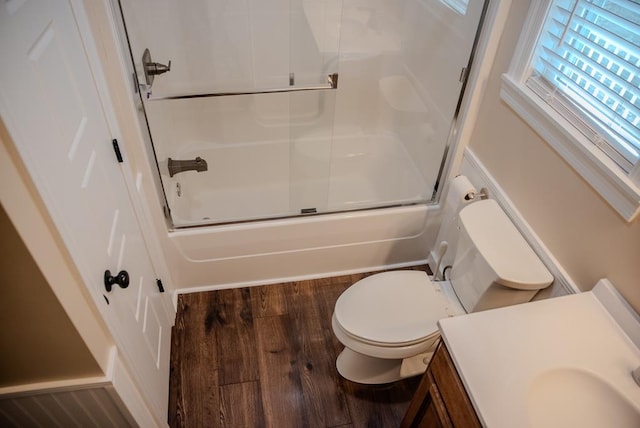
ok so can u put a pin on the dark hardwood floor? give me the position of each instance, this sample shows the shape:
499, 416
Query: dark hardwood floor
265, 357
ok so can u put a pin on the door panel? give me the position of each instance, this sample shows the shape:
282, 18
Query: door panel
53, 111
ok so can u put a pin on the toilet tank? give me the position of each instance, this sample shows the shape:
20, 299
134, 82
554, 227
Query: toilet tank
494, 266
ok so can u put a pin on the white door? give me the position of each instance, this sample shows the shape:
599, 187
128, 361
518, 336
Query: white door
51, 106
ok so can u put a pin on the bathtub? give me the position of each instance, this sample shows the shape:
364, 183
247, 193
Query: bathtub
273, 251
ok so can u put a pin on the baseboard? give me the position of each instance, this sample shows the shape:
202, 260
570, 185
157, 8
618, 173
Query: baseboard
473, 168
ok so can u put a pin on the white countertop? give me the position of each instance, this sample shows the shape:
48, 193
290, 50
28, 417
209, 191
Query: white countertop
499, 352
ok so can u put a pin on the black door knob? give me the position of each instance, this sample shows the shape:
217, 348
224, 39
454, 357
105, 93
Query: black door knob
122, 279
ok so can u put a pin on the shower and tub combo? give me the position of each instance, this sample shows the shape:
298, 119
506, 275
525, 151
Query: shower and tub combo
265, 115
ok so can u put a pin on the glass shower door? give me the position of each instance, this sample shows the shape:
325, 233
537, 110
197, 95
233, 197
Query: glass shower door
244, 78
278, 108
403, 66
314, 55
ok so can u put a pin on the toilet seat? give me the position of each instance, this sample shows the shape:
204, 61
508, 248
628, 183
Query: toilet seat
392, 309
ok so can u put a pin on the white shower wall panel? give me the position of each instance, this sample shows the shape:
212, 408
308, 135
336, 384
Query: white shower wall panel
377, 96
235, 44
435, 43
178, 125
369, 27
253, 179
243, 181
400, 64
372, 170
274, 155
358, 101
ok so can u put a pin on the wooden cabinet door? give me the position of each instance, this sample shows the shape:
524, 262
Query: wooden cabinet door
440, 400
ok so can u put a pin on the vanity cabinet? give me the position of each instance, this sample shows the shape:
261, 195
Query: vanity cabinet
440, 400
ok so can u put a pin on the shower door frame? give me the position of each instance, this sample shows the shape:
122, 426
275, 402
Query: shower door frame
445, 163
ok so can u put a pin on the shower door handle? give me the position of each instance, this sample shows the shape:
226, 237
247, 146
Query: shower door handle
332, 83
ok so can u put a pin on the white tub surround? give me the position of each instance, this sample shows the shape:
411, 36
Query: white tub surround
301, 248
238, 95
252, 180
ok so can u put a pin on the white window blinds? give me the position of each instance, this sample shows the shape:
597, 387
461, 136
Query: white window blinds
459, 6
587, 67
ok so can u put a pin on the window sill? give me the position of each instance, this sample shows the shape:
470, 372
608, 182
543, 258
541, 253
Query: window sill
595, 167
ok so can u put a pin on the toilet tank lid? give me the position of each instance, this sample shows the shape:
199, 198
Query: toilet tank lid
504, 249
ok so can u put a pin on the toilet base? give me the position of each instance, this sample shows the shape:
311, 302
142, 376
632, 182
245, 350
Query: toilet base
368, 370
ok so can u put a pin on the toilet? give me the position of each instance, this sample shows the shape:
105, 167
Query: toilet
388, 321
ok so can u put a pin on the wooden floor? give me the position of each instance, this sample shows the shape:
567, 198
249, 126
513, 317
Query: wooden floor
265, 357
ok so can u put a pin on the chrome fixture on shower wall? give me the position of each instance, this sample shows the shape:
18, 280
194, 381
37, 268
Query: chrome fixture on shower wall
152, 69
332, 83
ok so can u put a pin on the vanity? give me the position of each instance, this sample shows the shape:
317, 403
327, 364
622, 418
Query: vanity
441, 400
561, 362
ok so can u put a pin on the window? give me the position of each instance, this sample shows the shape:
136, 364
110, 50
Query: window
588, 61
459, 6
576, 80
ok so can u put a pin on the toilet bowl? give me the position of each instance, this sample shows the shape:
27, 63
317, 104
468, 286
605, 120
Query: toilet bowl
388, 318
388, 321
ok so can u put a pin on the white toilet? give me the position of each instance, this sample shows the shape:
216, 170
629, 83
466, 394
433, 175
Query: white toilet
387, 322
